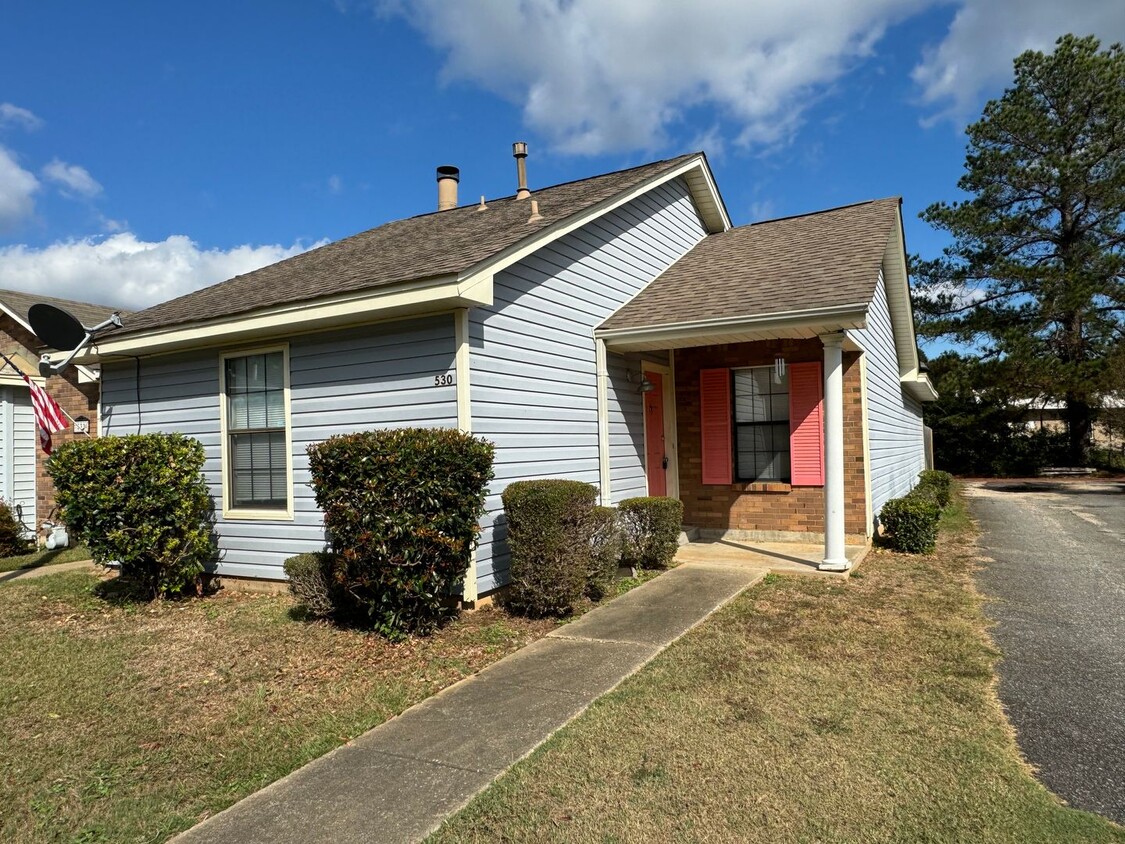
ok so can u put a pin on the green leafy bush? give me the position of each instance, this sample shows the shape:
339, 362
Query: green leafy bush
605, 552
141, 501
550, 527
911, 523
652, 528
401, 509
937, 482
12, 540
313, 582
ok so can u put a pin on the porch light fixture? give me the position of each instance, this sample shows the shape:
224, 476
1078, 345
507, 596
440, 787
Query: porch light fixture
778, 370
645, 386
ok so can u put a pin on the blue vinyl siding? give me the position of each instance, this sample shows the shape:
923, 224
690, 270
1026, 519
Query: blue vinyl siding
380, 376
894, 419
534, 389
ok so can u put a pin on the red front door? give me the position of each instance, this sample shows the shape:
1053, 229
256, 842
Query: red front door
656, 460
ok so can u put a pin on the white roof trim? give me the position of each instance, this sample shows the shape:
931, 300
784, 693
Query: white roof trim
799, 323
896, 281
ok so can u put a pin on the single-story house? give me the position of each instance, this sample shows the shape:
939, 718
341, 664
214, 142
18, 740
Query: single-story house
616, 330
24, 482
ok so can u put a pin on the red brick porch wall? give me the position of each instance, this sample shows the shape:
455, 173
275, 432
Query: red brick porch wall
764, 507
76, 399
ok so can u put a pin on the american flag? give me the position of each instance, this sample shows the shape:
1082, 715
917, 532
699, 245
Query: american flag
49, 417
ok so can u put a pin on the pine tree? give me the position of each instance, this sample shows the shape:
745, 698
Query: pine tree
1035, 274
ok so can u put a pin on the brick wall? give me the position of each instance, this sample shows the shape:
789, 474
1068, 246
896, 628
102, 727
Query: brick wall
764, 507
76, 399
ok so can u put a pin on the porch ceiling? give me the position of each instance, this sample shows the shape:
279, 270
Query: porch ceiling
776, 327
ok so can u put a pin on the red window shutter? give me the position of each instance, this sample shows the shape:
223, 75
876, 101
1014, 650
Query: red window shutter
714, 411
806, 424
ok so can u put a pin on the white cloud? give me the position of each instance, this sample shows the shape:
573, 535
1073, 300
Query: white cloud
72, 178
986, 35
593, 75
335, 184
17, 189
124, 271
13, 115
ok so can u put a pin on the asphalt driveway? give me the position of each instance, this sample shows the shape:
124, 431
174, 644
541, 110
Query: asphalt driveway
1055, 568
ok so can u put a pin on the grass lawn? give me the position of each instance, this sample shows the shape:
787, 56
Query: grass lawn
124, 722
807, 710
44, 558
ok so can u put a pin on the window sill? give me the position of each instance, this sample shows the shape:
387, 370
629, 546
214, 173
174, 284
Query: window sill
772, 487
259, 515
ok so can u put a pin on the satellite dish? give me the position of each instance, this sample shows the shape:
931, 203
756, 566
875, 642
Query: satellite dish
55, 327
60, 330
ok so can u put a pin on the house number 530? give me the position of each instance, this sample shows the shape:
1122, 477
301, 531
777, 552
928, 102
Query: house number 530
443, 380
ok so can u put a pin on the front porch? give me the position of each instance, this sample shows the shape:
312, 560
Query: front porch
763, 442
770, 557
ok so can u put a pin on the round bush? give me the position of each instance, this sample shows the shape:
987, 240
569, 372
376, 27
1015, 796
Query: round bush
939, 483
605, 552
652, 528
911, 523
139, 501
550, 526
313, 582
401, 508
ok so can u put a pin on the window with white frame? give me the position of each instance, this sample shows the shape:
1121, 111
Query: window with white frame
257, 473
761, 425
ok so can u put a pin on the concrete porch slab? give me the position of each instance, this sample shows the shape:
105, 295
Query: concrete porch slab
772, 557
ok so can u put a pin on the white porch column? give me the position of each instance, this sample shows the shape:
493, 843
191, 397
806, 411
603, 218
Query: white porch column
835, 557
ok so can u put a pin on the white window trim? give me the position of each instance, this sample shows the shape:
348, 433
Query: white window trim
246, 513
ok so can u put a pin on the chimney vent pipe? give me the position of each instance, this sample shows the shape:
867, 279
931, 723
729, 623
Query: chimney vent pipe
447, 179
519, 152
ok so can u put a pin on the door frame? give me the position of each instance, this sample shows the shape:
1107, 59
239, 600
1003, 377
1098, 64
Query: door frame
671, 444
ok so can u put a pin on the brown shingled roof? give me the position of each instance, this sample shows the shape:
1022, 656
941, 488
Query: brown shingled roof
817, 260
426, 246
86, 313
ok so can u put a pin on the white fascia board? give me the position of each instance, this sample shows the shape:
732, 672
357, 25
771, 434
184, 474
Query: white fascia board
849, 316
85, 374
919, 385
518, 251
898, 298
428, 296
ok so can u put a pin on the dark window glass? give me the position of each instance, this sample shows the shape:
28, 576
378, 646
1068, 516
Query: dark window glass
256, 429
761, 424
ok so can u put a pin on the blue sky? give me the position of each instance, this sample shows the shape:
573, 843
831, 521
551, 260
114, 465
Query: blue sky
150, 148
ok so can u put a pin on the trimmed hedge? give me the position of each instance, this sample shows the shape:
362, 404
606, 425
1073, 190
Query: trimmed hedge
550, 526
652, 528
141, 501
940, 483
401, 509
911, 523
605, 552
12, 540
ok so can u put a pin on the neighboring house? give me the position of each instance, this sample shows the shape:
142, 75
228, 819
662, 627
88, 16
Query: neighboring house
1046, 414
23, 478
615, 330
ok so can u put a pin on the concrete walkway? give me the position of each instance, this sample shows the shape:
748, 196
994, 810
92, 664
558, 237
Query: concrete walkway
17, 575
773, 557
399, 781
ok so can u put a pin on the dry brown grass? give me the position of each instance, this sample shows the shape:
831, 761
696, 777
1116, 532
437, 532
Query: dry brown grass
128, 722
807, 710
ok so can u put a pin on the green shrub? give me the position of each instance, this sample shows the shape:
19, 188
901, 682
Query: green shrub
550, 526
911, 523
313, 582
401, 509
941, 484
652, 528
141, 501
605, 552
12, 539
